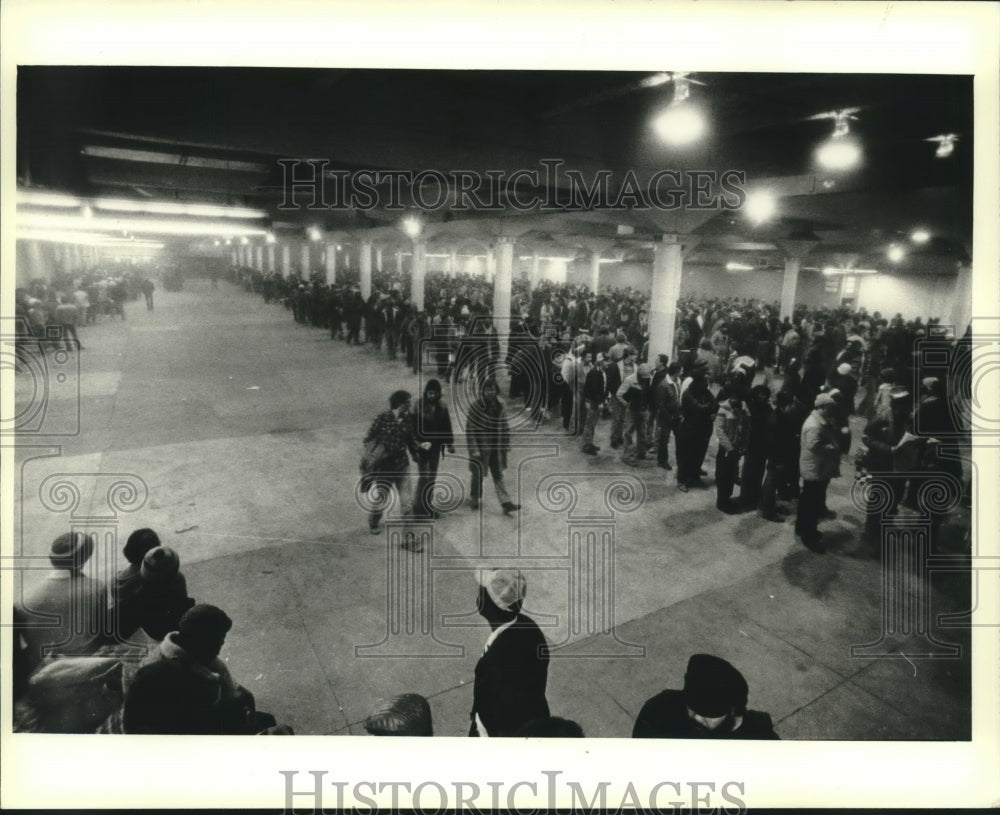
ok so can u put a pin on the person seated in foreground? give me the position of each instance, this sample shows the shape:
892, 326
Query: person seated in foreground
712, 705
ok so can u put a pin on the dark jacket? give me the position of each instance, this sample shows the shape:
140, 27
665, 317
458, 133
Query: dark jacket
665, 716
595, 387
487, 429
510, 681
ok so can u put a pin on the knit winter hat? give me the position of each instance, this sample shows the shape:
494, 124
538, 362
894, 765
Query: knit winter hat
139, 543
160, 564
71, 550
204, 619
713, 687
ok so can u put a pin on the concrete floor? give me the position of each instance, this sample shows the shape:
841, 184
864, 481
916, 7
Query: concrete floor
243, 429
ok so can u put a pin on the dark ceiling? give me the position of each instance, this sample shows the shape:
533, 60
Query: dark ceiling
501, 120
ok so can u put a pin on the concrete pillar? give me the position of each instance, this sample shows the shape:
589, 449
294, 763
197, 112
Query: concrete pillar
794, 250
270, 257
399, 261
668, 266
365, 264
535, 270
504, 273
595, 271
491, 264
960, 314
304, 262
331, 264
453, 263
286, 261
260, 259
236, 258
789, 283
378, 260
417, 272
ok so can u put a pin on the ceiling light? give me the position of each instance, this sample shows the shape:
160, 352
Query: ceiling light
314, 233
839, 152
761, 206
946, 144
155, 226
216, 241
920, 236
896, 253
680, 124
835, 270
156, 157
174, 208
56, 200
244, 240
738, 267
411, 226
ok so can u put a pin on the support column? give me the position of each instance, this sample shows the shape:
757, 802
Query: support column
270, 257
794, 251
399, 261
453, 263
378, 261
304, 262
535, 270
504, 272
595, 271
236, 258
491, 264
960, 314
260, 259
365, 264
286, 261
789, 283
668, 266
417, 272
331, 264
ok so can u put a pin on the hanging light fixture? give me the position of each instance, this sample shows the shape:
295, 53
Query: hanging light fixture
946, 144
841, 151
681, 123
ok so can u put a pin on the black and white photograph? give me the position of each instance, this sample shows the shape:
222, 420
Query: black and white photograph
588, 399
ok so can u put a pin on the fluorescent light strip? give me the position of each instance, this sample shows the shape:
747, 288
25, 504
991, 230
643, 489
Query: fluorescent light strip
56, 200
85, 239
738, 267
170, 208
175, 159
833, 270
137, 225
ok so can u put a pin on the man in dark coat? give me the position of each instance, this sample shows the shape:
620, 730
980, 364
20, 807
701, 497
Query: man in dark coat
184, 688
432, 424
511, 675
712, 705
698, 407
488, 436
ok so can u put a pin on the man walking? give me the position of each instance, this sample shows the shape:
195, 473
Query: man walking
432, 425
488, 437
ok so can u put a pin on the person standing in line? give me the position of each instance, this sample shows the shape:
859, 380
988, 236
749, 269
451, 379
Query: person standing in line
432, 425
635, 395
595, 391
819, 462
731, 428
698, 407
488, 437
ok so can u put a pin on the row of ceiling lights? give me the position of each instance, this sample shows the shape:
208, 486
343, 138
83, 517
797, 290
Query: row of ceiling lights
682, 123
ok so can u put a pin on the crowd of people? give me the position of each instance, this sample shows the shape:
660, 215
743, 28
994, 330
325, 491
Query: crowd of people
49, 314
778, 396
143, 657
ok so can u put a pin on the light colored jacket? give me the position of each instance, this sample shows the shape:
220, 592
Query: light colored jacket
820, 456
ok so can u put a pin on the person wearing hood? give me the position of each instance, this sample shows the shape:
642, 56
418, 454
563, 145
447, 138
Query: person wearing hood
432, 424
